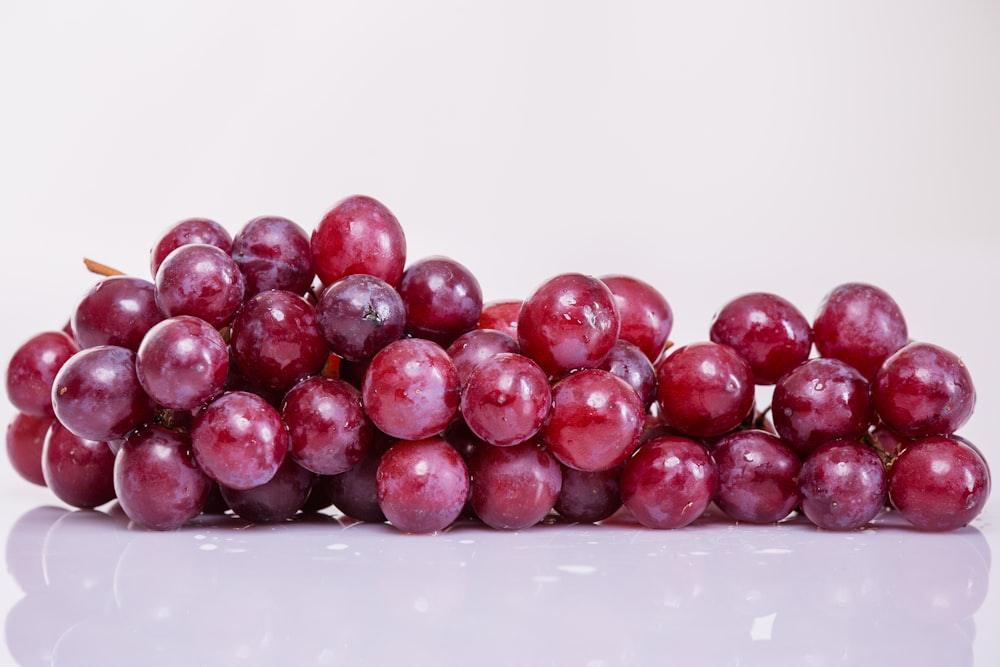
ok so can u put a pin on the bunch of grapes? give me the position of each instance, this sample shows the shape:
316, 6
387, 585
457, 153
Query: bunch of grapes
273, 372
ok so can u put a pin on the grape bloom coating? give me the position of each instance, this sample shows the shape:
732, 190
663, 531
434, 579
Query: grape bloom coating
279, 372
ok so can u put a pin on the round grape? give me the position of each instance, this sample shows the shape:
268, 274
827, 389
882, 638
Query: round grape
501, 316
359, 235
443, 299
422, 485
79, 471
273, 253
758, 476
359, 315
514, 487
200, 280
25, 438
187, 232
117, 311
32, 370
328, 427
182, 362
277, 499
506, 399
669, 482
842, 485
646, 317
589, 496
473, 347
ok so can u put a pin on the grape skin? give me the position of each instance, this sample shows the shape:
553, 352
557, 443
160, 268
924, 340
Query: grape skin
514, 487
273, 253
328, 428
758, 476
187, 232
277, 499
32, 370
182, 362
843, 485
118, 310
200, 280
359, 235
359, 315
506, 399
422, 485
78, 470
25, 439
646, 317
443, 299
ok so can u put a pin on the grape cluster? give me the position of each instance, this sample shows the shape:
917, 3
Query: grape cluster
274, 372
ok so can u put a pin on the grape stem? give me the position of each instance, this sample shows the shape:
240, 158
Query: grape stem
101, 269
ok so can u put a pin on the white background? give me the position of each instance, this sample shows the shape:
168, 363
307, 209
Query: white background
708, 148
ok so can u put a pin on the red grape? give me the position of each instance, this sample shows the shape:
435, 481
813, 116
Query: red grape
669, 482
842, 485
277, 499
758, 475
514, 487
443, 299
182, 362
359, 315
200, 280
79, 471
187, 232
422, 485
32, 370
628, 362
328, 427
117, 311
273, 253
359, 235
589, 496
476, 346
25, 438
506, 399
646, 317
501, 315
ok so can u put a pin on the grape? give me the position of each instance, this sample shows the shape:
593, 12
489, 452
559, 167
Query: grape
411, 389
596, 420
669, 482
923, 390
354, 492
628, 362
25, 438
646, 317
422, 485
514, 487
182, 362
758, 476
359, 235
506, 399
589, 496
939, 483
818, 401
501, 315
359, 315
860, 325
570, 322
704, 389
842, 485
767, 330
328, 427
79, 471
117, 311
239, 440
443, 299
476, 346
32, 370
187, 232
97, 395
276, 341
273, 253
200, 280
156, 479
277, 499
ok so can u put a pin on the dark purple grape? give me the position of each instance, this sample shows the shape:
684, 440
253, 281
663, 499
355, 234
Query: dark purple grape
359, 235
501, 316
570, 322
939, 483
589, 497
669, 482
182, 362
767, 330
187, 232
476, 346
923, 390
596, 420
443, 299
842, 485
359, 315
273, 253
328, 427
646, 317
422, 485
354, 492
239, 440
157, 481
79, 471
32, 370
276, 341
411, 389
704, 389
97, 395
277, 499
758, 476
117, 311
514, 487
860, 325
818, 401
506, 399
25, 438
628, 362
200, 280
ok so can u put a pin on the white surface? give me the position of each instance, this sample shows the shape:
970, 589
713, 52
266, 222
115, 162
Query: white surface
710, 149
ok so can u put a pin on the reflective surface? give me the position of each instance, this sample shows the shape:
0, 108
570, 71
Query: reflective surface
318, 591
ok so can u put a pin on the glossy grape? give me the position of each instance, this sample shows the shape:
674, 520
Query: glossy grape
818, 401
704, 389
514, 487
359, 235
354, 491
200, 280
569, 322
589, 496
506, 399
32, 370
411, 389
359, 315
422, 485
669, 482
25, 438
861, 325
923, 390
328, 428
443, 299
767, 330
97, 395
758, 476
939, 483
79, 471
187, 232
842, 485
277, 499
501, 315
628, 362
473, 347
239, 440
182, 362
117, 311
646, 317
273, 253
156, 479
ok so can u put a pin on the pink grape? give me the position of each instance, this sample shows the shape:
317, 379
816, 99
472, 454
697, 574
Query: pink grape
669, 482
422, 485
359, 235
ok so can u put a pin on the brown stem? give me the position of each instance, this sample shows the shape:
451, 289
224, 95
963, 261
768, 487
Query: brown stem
101, 269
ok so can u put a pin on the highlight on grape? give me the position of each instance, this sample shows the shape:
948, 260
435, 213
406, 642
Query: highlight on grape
276, 372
